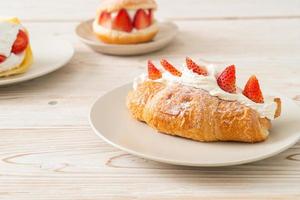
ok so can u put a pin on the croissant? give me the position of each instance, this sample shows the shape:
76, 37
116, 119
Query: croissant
186, 111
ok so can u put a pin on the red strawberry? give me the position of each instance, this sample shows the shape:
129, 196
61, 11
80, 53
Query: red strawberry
194, 67
252, 90
150, 15
170, 68
2, 58
122, 21
141, 19
153, 72
105, 19
226, 79
20, 43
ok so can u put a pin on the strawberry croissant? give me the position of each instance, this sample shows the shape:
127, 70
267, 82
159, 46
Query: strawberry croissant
195, 103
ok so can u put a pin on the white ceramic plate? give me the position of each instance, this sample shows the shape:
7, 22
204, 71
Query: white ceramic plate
111, 120
167, 32
49, 54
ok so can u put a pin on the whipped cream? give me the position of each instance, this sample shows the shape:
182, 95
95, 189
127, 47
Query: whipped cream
209, 84
8, 35
12, 61
101, 29
131, 12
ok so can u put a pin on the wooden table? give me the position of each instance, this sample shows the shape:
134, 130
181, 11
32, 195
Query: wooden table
48, 150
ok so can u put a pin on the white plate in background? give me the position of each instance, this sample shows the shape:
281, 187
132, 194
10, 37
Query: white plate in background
49, 54
167, 32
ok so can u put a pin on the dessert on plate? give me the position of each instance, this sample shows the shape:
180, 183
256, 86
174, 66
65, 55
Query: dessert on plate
15, 51
125, 21
201, 103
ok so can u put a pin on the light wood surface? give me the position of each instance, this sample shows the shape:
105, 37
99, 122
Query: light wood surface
48, 150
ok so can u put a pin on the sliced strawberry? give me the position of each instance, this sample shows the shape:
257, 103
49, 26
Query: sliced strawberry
252, 90
105, 19
2, 58
194, 67
226, 79
122, 21
153, 72
170, 68
141, 19
150, 15
20, 43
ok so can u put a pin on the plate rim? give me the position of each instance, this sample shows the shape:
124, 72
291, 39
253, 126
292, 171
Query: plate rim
177, 162
25, 77
132, 46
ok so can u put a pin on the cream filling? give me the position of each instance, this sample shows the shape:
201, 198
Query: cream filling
8, 35
131, 12
12, 61
103, 30
209, 84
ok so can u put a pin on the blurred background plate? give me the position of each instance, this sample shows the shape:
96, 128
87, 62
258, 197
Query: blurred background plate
49, 54
167, 32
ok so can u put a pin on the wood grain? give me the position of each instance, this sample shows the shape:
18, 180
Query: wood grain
72, 161
48, 150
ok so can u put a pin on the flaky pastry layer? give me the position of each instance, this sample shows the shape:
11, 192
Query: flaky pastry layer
193, 113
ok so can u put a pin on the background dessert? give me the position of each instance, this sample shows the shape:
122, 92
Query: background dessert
126, 21
15, 51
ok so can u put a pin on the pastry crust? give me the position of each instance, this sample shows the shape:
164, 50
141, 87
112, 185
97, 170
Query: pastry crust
115, 5
193, 113
118, 37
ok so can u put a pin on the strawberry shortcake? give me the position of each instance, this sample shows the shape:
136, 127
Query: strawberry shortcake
15, 52
125, 21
